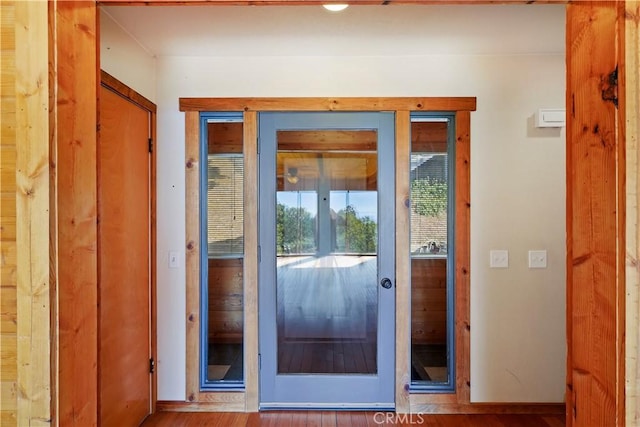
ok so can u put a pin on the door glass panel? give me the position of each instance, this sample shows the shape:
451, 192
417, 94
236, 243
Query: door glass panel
327, 239
429, 180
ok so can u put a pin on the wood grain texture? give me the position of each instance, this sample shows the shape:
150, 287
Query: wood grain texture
32, 226
127, 92
594, 220
497, 418
73, 27
319, 2
124, 280
403, 261
192, 255
225, 300
428, 300
632, 126
463, 256
328, 104
8, 284
251, 370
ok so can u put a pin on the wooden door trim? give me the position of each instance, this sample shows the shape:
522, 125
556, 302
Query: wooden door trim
115, 85
330, 104
405, 400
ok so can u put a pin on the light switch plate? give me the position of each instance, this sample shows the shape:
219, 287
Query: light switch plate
537, 259
499, 258
174, 259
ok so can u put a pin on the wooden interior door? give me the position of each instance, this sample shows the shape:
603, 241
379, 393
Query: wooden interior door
124, 262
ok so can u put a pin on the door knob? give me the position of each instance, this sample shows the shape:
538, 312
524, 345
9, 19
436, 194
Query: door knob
386, 283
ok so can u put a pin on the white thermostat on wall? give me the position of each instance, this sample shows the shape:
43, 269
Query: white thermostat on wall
551, 118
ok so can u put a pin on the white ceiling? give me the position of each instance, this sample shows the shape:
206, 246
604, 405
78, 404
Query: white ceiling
358, 31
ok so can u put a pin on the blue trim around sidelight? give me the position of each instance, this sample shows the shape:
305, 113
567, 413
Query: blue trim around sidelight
205, 384
450, 385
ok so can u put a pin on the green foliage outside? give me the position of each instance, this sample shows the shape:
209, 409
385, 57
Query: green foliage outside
355, 234
429, 197
295, 231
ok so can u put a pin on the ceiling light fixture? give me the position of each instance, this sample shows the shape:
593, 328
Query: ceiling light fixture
335, 7
292, 175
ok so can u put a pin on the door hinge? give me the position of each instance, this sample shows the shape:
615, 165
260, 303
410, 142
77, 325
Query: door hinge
259, 362
259, 254
150, 145
152, 365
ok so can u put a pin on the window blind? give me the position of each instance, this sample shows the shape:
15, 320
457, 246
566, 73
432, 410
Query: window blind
225, 207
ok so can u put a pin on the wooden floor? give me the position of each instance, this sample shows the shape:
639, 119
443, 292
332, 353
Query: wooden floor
347, 419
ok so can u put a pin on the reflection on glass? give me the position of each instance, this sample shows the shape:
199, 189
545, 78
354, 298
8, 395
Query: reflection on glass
225, 243
429, 247
326, 234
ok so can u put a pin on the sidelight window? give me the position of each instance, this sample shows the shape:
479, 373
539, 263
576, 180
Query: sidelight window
432, 256
222, 252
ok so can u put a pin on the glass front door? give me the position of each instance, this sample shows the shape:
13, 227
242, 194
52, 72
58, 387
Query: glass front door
327, 260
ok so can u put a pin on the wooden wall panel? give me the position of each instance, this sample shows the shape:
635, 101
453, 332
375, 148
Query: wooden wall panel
225, 301
8, 291
595, 222
632, 101
429, 300
32, 202
73, 26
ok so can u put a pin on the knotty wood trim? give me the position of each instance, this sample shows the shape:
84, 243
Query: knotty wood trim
192, 255
125, 91
216, 400
317, 2
595, 193
458, 401
329, 104
75, 85
631, 82
250, 275
463, 256
32, 208
403, 262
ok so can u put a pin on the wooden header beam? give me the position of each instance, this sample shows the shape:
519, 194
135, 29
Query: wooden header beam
316, 2
329, 104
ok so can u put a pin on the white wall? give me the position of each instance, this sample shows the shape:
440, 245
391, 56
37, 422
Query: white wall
126, 59
518, 350
517, 185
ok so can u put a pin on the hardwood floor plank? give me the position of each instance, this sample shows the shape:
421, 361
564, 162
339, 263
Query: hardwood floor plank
347, 419
329, 419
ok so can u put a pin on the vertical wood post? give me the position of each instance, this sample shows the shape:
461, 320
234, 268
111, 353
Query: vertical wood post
32, 198
74, 81
403, 262
632, 129
595, 218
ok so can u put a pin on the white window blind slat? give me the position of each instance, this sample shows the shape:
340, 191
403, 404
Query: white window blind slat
225, 208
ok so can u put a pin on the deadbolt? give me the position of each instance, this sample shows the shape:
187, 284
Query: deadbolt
386, 283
